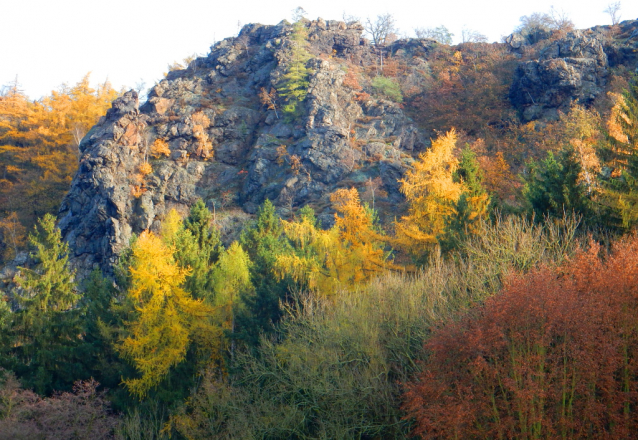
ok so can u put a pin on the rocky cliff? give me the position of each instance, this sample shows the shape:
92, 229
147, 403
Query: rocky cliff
229, 149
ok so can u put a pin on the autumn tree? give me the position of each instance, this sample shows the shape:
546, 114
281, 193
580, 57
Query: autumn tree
432, 193
232, 286
621, 155
13, 234
167, 319
348, 254
269, 99
551, 356
39, 145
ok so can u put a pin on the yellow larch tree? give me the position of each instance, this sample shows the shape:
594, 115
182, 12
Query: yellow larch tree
432, 194
349, 253
39, 145
168, 318
433, 190
232, 284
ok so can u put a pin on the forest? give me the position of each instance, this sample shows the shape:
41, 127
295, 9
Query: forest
499, 302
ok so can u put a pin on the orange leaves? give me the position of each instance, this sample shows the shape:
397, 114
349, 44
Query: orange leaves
160, 148
39, 144
617, 116
351, 80
552, 355
145, 169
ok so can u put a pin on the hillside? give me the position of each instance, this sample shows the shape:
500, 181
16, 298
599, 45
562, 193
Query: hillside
304, 234
233, 149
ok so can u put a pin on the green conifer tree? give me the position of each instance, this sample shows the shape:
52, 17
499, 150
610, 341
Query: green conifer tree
263, 240
48, 351
471, 206
293, 86
553, 187
198, 246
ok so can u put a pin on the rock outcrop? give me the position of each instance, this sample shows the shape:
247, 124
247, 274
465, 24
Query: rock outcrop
571, 69
229, 149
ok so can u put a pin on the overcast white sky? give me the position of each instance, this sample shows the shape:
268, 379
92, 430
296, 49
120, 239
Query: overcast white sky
49, 42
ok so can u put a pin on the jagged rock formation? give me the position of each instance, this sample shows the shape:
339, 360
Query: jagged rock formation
228, 148
571, 69
224, 144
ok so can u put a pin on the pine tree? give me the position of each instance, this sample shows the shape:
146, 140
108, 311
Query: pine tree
264, 240
554, 187
47, 328
471, 207
198, 247
293, 86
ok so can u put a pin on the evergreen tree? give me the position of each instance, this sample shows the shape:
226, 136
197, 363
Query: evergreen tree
471, 206
47, 350
198, 247
263, 240
553, 187
293, 86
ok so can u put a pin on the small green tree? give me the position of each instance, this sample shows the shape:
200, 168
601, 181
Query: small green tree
553, 186
293, 86
388, 88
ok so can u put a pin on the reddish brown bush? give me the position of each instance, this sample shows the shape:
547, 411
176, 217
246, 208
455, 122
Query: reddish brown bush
552, 356
82, 414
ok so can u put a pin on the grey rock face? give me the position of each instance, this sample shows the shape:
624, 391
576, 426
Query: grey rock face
572, 69
230, 150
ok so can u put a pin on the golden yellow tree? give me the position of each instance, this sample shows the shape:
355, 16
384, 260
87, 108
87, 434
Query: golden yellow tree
168, 318
39, 145
349, 253
432, 194
232, 285
433, 189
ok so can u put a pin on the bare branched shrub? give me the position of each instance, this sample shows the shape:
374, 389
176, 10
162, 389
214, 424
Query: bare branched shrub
552, 356
82, 414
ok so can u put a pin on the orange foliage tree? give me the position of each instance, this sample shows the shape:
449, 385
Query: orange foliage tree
38, 145
552, 356
468, 89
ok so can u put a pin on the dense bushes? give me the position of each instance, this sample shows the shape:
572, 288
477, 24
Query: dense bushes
553, 355
335, 367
